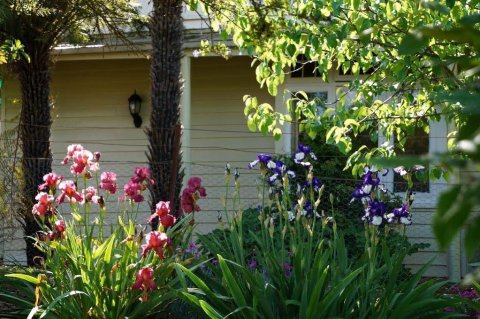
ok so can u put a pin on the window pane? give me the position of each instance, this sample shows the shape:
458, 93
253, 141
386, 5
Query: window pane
304, 68
319, 97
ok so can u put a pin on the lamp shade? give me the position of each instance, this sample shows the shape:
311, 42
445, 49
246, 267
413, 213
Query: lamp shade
134, 104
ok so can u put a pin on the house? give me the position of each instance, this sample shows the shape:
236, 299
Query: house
90, 89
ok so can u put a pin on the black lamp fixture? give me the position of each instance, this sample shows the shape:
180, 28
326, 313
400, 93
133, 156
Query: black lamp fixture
134, 106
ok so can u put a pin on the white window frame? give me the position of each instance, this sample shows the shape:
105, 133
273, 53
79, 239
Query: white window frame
308, 84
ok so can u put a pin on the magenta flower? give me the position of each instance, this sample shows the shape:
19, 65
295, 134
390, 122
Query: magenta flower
51, 181
162, 208
144, 280
90, 195
142, 174
83, 160
133, 191
167, 220
156, 241
60, 226
192, 194
44, 207
108, 182
69, 190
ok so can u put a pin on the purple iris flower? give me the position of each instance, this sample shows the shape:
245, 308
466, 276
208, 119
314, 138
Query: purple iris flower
279, 170
308, 209
287, 268
279, 167
302, 153
370, 182
264, 159
402, 215
316, 184
374, 212
253, 264
369, 179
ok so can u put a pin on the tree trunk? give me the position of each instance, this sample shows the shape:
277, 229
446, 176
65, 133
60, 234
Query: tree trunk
164, 155
35, 123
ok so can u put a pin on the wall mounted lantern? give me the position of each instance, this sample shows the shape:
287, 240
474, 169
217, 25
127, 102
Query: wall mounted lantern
134, 106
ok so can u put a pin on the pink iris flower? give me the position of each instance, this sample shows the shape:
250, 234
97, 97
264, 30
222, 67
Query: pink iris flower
108, 182
51, 181
83, 160
167, 220
144, 280
191, 194
156, 241
44, 206
133, 191
69, 190
162, 208
90, 195
60, 226
142, 174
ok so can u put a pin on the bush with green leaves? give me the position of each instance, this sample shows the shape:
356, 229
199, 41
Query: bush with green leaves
300, 267
85, 273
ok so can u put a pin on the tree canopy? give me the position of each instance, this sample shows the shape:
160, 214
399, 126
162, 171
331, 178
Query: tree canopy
413, 63
40, 25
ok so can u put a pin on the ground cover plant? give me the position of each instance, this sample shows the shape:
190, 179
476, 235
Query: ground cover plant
294, 270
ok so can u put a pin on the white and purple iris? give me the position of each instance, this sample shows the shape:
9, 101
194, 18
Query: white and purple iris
265, 161
279, 171
402, 171
375, 209
275, 170
302, 155
316, 184
400, 215
374, 212
370, 182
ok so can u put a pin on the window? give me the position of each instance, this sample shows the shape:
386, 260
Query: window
305, 68
319, 98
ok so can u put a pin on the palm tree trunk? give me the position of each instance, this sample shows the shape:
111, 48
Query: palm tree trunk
164, 155
35, 122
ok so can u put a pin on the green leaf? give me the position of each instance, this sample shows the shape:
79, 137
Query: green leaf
412, 43
251, 124
232, 283
209, 310
60, 298
453, 209
31, 279
471, 237
277, 133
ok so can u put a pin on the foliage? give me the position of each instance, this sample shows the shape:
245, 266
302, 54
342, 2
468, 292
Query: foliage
53, 22
355, 37
456, 204
16, 295
88, 274
412, 63
297, 271
11, 51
